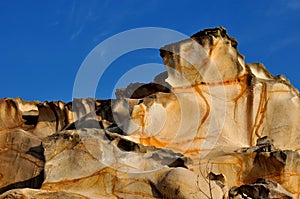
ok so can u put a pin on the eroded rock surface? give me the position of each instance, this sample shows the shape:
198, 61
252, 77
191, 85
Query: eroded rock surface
262, 188
213, 126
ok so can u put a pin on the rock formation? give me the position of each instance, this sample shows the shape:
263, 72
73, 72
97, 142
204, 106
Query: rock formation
212, 126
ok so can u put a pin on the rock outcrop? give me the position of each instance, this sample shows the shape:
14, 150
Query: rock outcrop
213, 126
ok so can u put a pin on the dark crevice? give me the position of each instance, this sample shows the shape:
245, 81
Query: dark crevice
71, 126
66, 117
260, 189
114, 128
34, 183
126, 145
104, 110
69, 106
155, 191
37, 152
178, 163
141, 90
30, 119
52, 106
249, 108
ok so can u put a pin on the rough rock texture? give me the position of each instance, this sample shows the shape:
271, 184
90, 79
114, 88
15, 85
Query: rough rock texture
262, 188
213, 126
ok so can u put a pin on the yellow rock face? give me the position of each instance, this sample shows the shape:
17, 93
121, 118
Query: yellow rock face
221, 99
219, 103
222, 129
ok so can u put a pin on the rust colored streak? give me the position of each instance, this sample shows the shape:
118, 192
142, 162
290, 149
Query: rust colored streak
48, 197
189, 151
240, 171
200, 138
260, 110
274, 176
263, 114
152, 141
35, 163
106, 170
137, 193
140, 194
198, 90
63, 185
195, 150
141, 117
279, 91
236, 99
237, 80
298, 187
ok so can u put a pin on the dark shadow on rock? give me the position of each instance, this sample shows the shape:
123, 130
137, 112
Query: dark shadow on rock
178, 163
127, 145
30, 119
260, 189
114, 128
104, 110
155, 191
37, 152
34, 183
140, 90
268, 160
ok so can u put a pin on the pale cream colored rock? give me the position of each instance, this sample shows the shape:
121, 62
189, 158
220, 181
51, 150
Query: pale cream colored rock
220, 109
181, 183
232, 105
88, 163
209, 56
210, 126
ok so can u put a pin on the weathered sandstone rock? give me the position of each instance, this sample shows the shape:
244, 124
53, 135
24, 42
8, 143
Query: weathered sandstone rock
262, 188
213, 126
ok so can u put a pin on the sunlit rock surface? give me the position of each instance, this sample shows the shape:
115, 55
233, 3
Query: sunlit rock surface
212, 126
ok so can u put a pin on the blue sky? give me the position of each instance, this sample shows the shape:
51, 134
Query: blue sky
43, 43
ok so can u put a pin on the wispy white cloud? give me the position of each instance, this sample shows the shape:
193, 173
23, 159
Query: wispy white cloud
83, 14
104, 16
72, 12
77, 32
